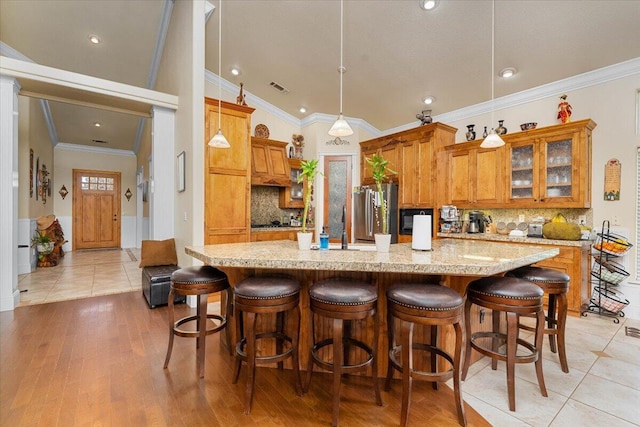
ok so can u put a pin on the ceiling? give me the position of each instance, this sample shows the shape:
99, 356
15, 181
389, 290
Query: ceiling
395, 53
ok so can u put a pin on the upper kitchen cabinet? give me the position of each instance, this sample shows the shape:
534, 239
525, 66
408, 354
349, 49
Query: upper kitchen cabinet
385, 147
269, 163
475, 175
227, 218
411, 153
291, 197
550, 167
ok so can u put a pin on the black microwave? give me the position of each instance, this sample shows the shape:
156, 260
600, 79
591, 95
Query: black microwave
406, 219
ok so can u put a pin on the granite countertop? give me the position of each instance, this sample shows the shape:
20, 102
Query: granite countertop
448, 257
511, 239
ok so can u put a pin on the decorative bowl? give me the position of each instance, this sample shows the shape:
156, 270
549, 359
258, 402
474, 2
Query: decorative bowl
528, 126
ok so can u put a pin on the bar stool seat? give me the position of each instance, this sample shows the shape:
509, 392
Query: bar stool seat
434, 306
199, 281
515, 297
343, 300
266, 295
555, 284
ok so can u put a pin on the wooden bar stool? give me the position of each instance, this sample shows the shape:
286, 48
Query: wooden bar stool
515, 297
199, 281
343, 301
555, 284
434, 306
266, 295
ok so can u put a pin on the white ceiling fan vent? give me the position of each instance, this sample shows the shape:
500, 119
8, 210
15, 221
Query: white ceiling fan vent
283, 90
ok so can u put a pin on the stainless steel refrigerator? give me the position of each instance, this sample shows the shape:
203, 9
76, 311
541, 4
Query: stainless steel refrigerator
367, 219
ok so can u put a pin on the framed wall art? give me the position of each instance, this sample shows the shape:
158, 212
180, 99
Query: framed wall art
180, 170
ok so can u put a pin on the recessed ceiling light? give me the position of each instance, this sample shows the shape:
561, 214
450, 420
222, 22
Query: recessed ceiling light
94, 39
508, 72
428, 4
428, 100
302, 110
235, 71
97, 124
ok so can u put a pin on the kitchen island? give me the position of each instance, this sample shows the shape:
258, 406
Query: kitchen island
452, 262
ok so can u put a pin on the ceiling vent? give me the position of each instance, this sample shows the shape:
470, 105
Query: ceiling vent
283, 90
99, 141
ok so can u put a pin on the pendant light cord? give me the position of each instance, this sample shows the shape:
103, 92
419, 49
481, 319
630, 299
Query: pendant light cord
219, 64
493, 30
341, 70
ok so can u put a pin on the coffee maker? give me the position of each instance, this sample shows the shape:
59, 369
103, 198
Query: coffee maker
476, 222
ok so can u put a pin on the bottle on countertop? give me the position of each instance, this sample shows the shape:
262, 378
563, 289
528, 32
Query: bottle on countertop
324, 239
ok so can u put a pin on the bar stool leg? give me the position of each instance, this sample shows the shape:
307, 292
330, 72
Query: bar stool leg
539, 341
294, 350
228, 317
338, 353
457, 359
406, 337
239, 335
392, 344
251, 359
495, 341
279, 341
561, 325
551, 322
202, 328
512, 335
434, 356
467, 347
374, 363
312, 342
171, 323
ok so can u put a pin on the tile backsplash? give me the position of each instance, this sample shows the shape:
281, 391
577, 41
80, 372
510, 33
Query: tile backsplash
265, 206
511, 215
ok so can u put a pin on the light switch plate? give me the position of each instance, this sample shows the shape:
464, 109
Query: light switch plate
520, 218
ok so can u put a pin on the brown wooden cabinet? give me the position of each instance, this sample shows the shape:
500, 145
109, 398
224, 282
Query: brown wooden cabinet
550, 167
263, 236
291, 197
227, 186
269, 163
411, 153
476, 176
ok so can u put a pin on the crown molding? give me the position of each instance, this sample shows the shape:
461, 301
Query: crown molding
95, 150
580, 81
48, 118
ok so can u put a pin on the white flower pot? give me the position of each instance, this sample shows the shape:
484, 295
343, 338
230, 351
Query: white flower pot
304, 240
45, 248
383, 241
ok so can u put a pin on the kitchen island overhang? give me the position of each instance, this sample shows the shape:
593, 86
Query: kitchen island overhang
451, 262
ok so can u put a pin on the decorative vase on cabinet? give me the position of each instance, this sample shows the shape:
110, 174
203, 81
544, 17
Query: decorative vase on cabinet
471, 134
501, 130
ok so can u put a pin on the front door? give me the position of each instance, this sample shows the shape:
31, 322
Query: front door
337, 196
96, 209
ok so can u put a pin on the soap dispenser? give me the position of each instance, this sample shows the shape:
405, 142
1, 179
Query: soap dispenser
324, 239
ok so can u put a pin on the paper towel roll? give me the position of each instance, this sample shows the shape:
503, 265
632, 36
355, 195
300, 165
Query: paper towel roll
421, 235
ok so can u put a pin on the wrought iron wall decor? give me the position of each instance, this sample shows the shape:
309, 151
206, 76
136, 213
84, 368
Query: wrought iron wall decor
338, 141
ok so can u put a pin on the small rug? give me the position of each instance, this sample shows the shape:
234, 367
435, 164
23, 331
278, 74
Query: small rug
131, 255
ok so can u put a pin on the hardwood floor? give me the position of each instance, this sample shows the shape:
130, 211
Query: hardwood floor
98, 361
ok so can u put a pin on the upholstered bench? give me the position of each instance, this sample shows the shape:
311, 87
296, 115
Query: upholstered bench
156, 282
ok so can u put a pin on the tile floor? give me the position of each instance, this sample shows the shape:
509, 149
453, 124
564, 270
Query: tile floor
602, 388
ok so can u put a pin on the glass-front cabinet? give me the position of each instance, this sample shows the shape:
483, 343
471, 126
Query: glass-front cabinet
291, 197
551, 166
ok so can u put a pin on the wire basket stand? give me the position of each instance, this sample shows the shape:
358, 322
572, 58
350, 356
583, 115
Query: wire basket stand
605, 299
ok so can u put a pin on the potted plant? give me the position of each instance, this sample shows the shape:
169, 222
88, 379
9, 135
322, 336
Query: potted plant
307, 176
379, 170
42, 243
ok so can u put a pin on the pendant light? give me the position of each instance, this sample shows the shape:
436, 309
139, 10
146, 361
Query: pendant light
218, 140
492, 140
341, 127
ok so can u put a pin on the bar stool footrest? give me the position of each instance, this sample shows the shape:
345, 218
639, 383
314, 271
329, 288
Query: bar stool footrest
429, 376
194, 334
346, 342
524, 358
271, 358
